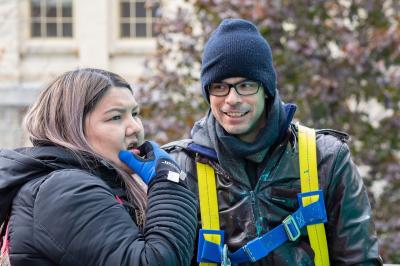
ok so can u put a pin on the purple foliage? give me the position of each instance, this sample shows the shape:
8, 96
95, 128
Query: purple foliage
331, 57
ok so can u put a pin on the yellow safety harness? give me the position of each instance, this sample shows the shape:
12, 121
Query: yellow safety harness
208, 203
309, 183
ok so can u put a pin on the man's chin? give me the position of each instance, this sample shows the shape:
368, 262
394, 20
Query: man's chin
235, 130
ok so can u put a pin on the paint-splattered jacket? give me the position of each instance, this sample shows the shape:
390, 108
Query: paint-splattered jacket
247, 211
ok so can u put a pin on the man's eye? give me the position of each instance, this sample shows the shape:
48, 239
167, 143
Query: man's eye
247, 85
116, 117
134, 114
218, 86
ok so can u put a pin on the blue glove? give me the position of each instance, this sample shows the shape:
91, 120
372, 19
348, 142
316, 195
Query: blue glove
154, 162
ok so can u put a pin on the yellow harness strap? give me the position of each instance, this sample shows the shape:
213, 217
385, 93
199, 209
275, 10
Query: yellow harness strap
309, 182
208, 203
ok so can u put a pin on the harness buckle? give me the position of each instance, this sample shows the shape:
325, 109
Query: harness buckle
291, 228
225, 261
210, 250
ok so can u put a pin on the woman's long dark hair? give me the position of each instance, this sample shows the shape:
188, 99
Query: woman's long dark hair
57, 117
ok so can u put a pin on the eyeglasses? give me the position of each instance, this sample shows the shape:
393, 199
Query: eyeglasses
244, 88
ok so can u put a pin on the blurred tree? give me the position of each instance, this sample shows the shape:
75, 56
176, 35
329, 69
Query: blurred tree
339, 61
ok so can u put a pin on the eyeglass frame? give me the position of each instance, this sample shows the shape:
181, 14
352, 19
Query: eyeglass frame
230, 86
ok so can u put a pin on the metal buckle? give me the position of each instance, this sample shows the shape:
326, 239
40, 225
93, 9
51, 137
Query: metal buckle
225, 261
293, 236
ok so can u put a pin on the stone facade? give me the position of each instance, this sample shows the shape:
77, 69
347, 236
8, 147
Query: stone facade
28, 64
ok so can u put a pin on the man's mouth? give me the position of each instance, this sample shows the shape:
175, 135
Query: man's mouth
235, 114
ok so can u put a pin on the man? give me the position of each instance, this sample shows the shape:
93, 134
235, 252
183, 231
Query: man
248, 139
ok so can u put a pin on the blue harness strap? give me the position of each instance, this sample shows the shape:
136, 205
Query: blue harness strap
260, 247
205, 151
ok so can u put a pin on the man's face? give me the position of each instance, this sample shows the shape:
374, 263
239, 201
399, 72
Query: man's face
114, 125
239, 115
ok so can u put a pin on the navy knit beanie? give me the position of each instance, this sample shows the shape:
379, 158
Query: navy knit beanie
237, 49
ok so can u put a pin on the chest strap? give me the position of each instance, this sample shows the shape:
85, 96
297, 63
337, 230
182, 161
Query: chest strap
260, 247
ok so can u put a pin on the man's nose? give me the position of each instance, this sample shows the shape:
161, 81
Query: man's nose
233, 97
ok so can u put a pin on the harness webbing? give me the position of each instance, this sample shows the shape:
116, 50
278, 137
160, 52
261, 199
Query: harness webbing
309, 182
316, 216
208, 203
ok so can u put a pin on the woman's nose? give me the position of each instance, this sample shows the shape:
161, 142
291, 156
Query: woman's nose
134, 126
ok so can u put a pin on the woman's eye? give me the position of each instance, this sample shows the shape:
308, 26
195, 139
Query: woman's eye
134, 114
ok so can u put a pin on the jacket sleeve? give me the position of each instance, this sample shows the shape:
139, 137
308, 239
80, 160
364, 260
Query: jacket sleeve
78, 221
351, 234
188, 165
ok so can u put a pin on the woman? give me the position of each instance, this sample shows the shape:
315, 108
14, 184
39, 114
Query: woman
70, 200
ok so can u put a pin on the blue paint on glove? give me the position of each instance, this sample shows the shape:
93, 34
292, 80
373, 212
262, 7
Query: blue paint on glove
154, 161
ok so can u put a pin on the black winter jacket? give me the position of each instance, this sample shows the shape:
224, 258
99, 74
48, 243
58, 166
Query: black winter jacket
64, 214
247, 212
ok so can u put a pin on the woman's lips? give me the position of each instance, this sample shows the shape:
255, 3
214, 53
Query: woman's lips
135, 151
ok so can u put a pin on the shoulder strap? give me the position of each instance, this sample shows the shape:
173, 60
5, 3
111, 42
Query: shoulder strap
309, 182
208, 203
203, 150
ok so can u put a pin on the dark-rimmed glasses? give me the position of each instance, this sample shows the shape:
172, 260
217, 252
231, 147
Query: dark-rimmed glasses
244, 88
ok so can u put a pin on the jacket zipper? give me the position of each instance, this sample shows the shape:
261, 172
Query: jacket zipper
256, 215
258, 219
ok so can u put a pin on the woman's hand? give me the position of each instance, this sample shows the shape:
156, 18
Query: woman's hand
151, 161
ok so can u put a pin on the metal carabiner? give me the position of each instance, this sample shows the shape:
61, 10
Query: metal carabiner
225, 261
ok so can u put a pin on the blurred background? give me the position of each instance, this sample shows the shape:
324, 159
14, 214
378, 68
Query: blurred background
339, 61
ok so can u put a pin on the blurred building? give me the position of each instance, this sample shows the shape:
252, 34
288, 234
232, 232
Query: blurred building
40, 39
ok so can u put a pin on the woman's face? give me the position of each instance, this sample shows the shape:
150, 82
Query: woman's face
114, 125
